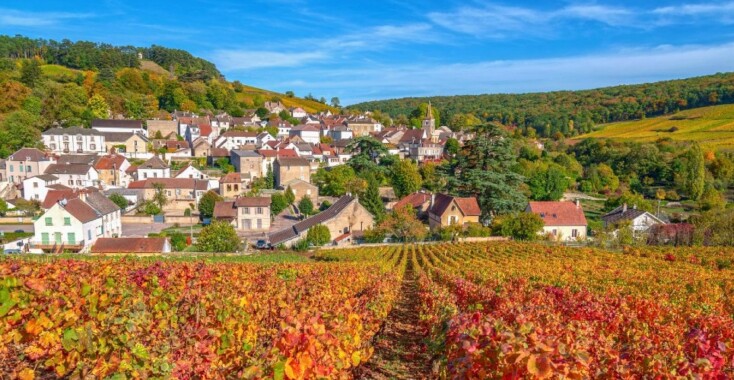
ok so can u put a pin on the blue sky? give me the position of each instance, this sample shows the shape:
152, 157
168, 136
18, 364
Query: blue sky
365, 50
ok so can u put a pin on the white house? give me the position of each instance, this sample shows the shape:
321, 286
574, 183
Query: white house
235, 139
189, 171
562, 220
308, 133
36, 188
284, 128
298, 112
74, 140
120, 126
264, 138
640, 221
341, 132
74, 175
153, 168
76, 224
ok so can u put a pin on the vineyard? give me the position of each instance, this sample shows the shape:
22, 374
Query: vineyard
476, 310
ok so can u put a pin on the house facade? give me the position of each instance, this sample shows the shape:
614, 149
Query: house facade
131, 144
181, 193
161, 129
154, 167
303, 189
287, 169
446, 210
112, 170
563, 220
74, 175
248, 163
345, 219
26, 163
639, 220
245, 213
36, 188
74, 140
76, 224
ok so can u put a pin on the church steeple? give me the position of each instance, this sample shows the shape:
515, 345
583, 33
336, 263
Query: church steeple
429, 123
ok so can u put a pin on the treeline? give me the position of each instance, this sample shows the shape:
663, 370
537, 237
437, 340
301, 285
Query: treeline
85, 55
570, 113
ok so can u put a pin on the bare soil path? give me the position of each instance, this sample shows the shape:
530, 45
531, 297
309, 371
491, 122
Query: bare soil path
399, 348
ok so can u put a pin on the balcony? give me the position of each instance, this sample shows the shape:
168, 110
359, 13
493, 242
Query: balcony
52, 247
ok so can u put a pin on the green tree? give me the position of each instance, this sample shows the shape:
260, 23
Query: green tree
366, 152
207, 203
406, 179
219, 236
178, 241
150, 208
483, 169
289, 195
278, 203
306, 206
97, 107
19, 129
371, 199
119, 200
270, 177
549, 184
335, 102
519, 226
452, 146
334, 181
30, 73
3, 207
224, 165
159, 197
711, 199
318, 235
402, 224
693, 178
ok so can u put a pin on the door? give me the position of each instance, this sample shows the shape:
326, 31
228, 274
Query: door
44, 238
71, 238
57, 237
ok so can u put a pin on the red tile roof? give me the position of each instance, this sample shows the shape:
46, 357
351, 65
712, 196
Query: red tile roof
219, 152
53, 196
468, 206
225, 210
559, 213
415, 200
205, 129
129, 245
231, 178
109, 162
252, 202
285, 153
81, 210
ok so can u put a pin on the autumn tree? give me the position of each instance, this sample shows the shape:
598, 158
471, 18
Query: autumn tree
207, 203
220, 236
406, 178
402, 224
519, 226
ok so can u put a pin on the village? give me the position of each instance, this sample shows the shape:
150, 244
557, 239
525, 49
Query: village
163, 168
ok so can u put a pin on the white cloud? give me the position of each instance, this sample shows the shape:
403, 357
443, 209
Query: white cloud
11, 17
232, 60
719, 9
517, 76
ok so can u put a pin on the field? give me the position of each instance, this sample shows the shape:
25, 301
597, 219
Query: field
712, 127
474, 310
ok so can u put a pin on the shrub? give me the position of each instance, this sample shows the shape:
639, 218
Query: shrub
318, 235
219, 236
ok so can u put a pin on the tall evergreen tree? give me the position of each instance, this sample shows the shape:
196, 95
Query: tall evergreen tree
483, 169
694, 179
270, 177
30, 73
371, 198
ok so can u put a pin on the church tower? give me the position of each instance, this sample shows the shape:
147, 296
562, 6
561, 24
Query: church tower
429, 123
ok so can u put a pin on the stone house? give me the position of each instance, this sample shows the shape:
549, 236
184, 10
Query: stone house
182, 193
131, 144
303, 189
562, 220
249, 163
446, 210
27, 163
112, 170
345, 219
287, 169
231, 186
162, 129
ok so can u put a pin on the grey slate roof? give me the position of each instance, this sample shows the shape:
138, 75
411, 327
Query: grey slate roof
77, 159
302, 226
109, 123
100, 203
72, 131
76, 169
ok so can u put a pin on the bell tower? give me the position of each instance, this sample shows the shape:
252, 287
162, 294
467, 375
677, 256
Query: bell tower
429, 123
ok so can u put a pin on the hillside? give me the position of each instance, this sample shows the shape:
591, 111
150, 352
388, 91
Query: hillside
709, 126
46, 83
571, 113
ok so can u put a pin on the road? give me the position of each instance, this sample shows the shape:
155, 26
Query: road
13, 227
142, 230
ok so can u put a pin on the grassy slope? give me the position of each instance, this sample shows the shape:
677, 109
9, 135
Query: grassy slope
249, 93
712, 127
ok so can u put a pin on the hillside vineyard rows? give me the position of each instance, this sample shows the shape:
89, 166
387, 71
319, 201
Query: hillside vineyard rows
476, 310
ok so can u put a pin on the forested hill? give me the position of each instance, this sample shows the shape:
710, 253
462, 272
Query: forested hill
85, 55
570, 112
45, 83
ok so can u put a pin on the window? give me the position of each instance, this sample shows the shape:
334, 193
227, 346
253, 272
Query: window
71, 182
71, 238
259, 224
574, 233
66, 138
79, 138
11, 168
555, 232
92, 147
53, 146
246, 224
21, 168
35, 185
49, 222
44, 238
67, 221
259, 210
89, 235
246, 210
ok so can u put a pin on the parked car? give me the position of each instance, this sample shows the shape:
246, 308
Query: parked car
263, 244
19, 231
13, 251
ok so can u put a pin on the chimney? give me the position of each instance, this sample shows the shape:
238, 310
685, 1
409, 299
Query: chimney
578, 203
433, 200
624, 207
